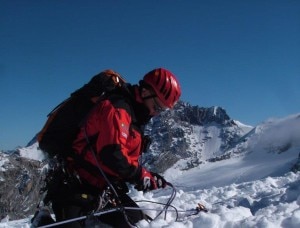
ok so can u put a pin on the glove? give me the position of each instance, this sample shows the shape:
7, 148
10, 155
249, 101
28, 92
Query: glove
160, 181
150, 181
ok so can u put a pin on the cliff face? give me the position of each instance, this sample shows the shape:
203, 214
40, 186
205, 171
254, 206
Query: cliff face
191, 133
20, 181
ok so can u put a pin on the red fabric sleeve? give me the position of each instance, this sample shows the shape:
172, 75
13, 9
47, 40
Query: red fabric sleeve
117, 144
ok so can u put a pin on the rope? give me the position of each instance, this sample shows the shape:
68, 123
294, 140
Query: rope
173, 195
119, 209
79, 218
122, 209
107, 180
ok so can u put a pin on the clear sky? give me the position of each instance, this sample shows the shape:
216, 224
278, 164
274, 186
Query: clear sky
242, 55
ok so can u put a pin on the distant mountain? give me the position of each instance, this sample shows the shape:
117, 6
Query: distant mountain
20, 181
191, 133
183, 138
270, 149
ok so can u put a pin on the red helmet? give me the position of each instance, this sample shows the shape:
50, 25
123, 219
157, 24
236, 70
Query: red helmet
165, 85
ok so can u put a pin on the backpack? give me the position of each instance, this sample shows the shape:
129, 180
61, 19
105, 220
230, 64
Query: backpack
64, 121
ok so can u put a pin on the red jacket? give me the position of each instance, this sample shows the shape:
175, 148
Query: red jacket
115, 139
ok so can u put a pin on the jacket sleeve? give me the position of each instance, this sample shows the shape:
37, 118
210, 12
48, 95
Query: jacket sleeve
118, 145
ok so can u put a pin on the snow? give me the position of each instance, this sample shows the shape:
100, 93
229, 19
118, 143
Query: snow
32, 152
203, 141
215, 110
242, 125
252, 189
3, 160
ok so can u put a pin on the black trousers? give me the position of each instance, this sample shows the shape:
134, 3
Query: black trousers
69, 204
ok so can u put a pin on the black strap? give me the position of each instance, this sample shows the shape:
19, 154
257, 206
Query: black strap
149, 97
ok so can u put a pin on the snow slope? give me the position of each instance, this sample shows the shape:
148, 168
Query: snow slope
252, 189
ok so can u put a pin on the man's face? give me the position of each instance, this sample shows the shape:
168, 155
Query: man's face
152, 102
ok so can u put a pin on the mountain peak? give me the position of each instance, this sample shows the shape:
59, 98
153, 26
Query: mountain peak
193, 133
200, 115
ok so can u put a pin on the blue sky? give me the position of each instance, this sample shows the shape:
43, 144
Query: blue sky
240, 55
